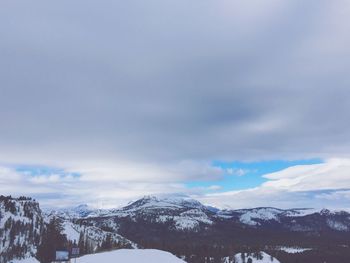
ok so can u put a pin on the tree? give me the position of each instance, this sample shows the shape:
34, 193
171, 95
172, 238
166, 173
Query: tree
107, 243
52, 240
81, 243
259, 255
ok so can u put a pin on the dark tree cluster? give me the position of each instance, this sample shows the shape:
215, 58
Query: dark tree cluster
52, 240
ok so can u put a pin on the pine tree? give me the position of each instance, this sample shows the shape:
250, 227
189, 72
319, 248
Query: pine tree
81, 243
107, 243
52, 240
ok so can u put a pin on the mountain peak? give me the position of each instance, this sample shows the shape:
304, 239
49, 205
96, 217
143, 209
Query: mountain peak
164, 201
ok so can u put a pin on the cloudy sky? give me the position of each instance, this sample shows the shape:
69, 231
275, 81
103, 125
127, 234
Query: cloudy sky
236, 103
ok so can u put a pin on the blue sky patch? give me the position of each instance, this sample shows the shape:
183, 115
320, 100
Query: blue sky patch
34, 170
243, 175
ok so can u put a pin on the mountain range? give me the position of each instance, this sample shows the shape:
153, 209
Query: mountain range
188, 229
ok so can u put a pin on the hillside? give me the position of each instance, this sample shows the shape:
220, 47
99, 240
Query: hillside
21, 225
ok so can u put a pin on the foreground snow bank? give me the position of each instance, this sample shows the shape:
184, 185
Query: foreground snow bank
26, 260
131, 256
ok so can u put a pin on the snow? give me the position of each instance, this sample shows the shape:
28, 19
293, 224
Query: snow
80, 211
187, 220
26, 260
163, 202
294, 250
131, 256
151, 202
335, 225
121, 255
248, 216
184, 213
19, 216
71, 233
300, 212
265, 258
96, 235
185, 223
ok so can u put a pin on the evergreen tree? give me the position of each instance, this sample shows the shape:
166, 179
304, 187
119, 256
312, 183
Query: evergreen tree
52, 240
107, 243
81, 244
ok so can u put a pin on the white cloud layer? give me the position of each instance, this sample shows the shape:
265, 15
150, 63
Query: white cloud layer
316, 186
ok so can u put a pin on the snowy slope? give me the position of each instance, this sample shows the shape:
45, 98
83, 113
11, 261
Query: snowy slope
261, 258
92, 235
21, 225
252, 216
131, 256
121, 255
97, 236
26, 260
71, 231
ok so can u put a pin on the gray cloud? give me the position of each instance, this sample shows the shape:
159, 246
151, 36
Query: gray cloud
163, 82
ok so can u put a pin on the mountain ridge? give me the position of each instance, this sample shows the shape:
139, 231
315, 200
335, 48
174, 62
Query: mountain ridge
151, 202
191, 230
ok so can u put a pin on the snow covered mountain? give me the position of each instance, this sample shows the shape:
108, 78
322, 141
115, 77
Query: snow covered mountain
182, 226
164, 201
92, 238
168, 223
180, 213
262, 215
183, 213
21, 225
79, 211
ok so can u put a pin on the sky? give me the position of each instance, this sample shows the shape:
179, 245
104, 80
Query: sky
236, 103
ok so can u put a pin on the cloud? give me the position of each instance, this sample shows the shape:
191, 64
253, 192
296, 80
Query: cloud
60, 190
121, 81
153, 92
316, 186
323, 185
237, 171
333, 174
